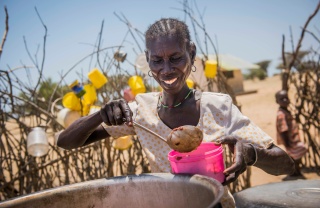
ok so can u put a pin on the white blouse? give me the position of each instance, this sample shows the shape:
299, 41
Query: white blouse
218, 117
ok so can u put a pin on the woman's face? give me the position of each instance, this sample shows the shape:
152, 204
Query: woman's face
170, 63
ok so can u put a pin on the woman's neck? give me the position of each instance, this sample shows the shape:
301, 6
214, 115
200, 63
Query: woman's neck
172, 100
188, 113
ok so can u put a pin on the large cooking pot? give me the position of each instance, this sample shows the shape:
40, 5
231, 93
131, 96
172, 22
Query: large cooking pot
290, 194
161, 190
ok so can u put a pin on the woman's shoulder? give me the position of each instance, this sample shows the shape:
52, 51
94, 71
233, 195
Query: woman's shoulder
216, 96
148, 95
215, 102
147, 98
219, 94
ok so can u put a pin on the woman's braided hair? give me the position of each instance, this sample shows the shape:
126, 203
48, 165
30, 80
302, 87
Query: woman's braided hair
167, 27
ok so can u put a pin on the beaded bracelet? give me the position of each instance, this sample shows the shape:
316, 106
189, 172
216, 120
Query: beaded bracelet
256, 154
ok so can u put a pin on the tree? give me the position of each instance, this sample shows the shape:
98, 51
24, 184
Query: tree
256, 73
44, 93
260, 73
300, 63
264, 65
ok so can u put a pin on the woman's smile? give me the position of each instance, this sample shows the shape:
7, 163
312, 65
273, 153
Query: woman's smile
169, 82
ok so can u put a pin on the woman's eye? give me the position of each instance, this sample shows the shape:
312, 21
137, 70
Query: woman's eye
157, 61
175, 59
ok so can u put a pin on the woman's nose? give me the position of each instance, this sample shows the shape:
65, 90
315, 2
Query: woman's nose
166, 67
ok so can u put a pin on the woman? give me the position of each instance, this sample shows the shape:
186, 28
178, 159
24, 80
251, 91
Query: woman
171, 54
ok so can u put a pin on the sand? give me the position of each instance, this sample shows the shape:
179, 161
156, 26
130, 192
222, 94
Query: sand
261, 108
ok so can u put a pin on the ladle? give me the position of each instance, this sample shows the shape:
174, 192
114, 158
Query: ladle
150, 131
182, 139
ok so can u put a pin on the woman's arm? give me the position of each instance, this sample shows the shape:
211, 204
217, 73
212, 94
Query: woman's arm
87, 129
272, 160
246, 151
82, 132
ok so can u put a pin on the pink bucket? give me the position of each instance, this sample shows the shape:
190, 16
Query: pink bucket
206, 160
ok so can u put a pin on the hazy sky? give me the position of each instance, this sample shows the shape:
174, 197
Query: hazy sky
249, 29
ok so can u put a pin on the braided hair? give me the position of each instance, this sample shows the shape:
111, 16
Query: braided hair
168, 27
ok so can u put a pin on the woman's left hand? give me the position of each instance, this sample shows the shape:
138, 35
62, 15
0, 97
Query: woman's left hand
243, 154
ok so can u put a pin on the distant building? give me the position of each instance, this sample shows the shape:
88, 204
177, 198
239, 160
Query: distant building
231, 66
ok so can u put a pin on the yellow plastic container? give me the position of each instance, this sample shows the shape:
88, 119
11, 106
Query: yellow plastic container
73, 84
85, 108
190, 83
210, 70
97, 78
94, 109
71, 101
123, 143
91, 94
136, 84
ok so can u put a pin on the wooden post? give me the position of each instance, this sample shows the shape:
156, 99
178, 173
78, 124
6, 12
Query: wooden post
285, 77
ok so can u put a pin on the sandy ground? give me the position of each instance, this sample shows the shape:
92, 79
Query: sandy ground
261, 108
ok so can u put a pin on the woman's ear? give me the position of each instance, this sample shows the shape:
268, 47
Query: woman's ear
193, 52
147, 55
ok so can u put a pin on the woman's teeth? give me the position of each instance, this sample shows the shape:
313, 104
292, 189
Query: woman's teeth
170, 81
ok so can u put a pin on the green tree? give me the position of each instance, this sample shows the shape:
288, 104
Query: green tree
42, 96
260, 73
264, 65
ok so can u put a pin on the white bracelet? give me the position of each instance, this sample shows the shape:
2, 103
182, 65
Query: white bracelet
256, 154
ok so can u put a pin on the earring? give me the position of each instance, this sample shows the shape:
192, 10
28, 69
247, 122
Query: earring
194, 69
149, 73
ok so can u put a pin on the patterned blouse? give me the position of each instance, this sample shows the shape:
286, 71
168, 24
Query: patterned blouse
218, 117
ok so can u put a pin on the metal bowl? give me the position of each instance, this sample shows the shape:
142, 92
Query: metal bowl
159, 190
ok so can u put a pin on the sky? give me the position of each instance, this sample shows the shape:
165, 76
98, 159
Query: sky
248, 29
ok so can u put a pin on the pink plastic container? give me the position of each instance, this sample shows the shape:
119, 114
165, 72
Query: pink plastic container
206, 160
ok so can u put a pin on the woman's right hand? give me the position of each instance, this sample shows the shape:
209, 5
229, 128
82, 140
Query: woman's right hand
116, 112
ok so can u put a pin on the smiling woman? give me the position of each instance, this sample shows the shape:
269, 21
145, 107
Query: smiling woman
170, 55
170, 63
